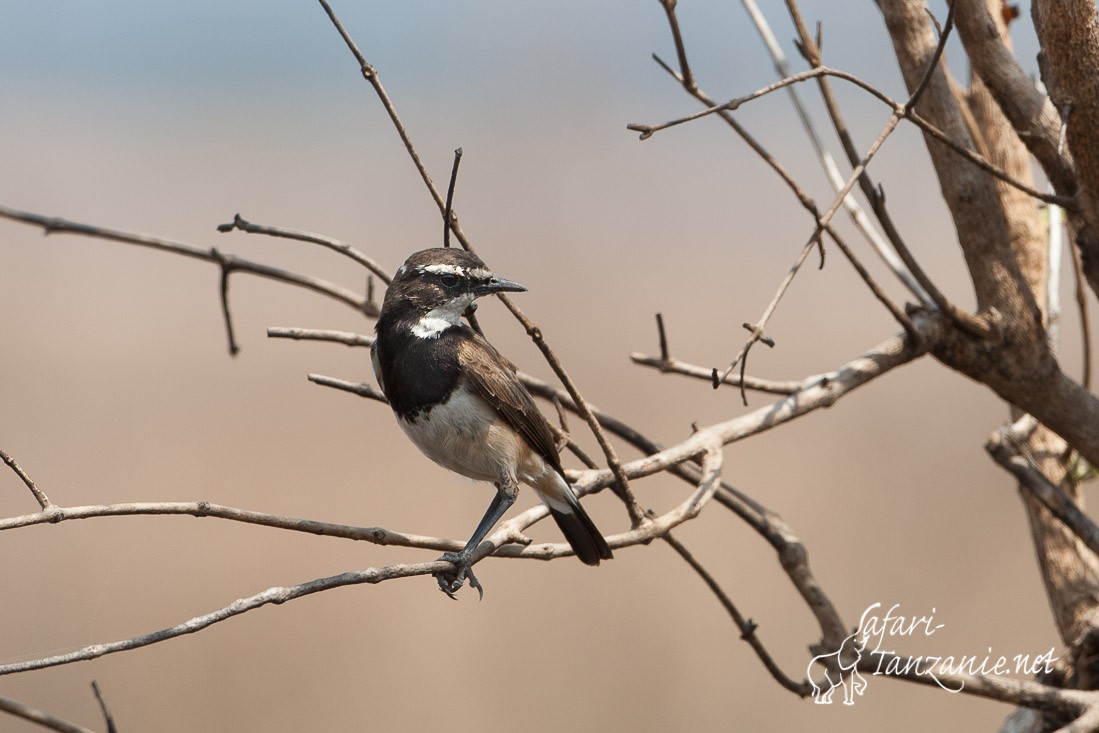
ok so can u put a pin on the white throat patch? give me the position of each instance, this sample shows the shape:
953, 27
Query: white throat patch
430, 328
437, 320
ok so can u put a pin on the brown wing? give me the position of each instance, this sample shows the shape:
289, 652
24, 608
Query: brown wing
493, 377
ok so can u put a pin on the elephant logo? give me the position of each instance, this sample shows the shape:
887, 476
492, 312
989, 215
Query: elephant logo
840, 670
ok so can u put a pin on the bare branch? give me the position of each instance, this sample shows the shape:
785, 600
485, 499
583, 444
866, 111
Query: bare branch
509, 532
42, 718
747, 626
310, 334
820, 391
39, 495
680, 48
1085, 320
1030, 111
637, 514
822, 225
362, 389
276, 595
204, 509
371, 75
1069, 35
936, 57
241, 224
757, 329
1008, 453
107, 717
648, 130
1005, 689
835, 178
448, 213
226, 269
971, 198
675, 366
55, 225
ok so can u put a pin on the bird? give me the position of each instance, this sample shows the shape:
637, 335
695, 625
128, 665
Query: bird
461, 403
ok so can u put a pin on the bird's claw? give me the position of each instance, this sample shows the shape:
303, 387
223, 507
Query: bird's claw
451, 583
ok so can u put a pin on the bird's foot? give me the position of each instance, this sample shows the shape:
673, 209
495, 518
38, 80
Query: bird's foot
450, 583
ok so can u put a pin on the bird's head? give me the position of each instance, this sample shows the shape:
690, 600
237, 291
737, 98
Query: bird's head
434, 287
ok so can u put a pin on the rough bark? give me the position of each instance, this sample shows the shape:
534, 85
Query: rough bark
1030, 112
970, 194
1014, 360
996, 128
1069, 569
1068, 31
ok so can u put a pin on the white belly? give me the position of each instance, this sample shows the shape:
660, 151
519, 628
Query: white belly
466, 436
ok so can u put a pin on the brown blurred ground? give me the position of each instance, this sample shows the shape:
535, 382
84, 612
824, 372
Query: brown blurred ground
117, 386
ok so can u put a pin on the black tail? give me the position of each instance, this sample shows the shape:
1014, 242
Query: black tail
581, 532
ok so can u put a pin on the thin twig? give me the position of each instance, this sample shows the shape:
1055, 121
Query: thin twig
936, 57
57, 225
791, 553
835, 178
39, 495
822, 225
448, 212
680, 48
347, 338
1026, 693
362, 389
647, 130
808, 203
223, 292
675, 366
204, 509
276, 595
747, 626
874, 194
241, 224
663, 339
40, 717
107, 717
757, 329
1082, 307
637, 515
823, 392
1004, 449
621, 486
509, 533
371, 75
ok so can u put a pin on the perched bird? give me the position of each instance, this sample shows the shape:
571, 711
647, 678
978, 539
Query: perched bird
459, 400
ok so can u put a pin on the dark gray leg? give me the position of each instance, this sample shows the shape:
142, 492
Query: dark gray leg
506, 491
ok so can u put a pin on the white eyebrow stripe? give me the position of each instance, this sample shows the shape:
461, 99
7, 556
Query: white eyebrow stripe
477, 273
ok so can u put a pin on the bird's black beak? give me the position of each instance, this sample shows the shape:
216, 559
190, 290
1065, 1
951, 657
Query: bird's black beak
498, 285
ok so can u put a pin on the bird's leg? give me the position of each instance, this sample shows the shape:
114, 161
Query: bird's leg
506, 491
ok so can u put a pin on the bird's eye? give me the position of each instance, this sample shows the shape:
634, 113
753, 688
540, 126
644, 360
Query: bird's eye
449, 280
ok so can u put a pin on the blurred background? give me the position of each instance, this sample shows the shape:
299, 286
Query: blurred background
168, 118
